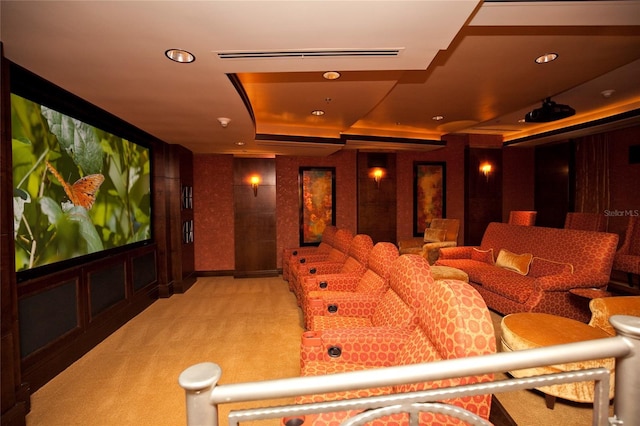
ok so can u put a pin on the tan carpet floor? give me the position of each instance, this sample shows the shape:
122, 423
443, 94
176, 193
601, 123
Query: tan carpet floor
250, 327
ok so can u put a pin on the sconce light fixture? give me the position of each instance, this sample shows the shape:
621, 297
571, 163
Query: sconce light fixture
485, 169
255, 180
377, 174
377, 164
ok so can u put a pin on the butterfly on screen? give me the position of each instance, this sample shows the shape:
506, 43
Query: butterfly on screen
83, 191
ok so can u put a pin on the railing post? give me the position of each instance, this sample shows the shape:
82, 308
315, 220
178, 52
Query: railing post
198, 381
627, 387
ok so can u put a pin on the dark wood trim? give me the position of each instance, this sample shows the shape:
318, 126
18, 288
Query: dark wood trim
256, 274
14, 399
221, 273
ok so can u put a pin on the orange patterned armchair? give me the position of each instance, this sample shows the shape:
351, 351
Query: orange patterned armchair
290, 255
322, 291
440, 233
453, 322
355, 263
338, 253
627, 258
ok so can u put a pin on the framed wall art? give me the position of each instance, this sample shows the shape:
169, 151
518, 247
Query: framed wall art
429, 194
317, 202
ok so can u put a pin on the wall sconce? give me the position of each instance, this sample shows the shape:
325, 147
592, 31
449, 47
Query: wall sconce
485, 169
377, 164
255, 180
377, 174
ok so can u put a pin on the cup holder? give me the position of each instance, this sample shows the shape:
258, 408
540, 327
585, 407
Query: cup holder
293, 421
334, 351
295, 252
311, 338
312, 270
323, 284
332, 309
303, 260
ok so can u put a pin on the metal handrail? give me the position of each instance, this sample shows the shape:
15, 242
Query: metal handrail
203, 395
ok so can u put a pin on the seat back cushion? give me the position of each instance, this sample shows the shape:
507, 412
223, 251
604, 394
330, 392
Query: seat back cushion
453, 322
381, 258
376, 278
410, 275
360, 248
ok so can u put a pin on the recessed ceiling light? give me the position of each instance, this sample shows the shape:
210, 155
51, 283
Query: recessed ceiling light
239, 143
607, 93
331, 75
437, 117
179, 55
317, 112
546, 58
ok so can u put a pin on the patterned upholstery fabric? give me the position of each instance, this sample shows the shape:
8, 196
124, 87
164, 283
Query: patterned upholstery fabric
627, 259
429, 246
431, 250
291, 254
338, 253
453, 322
586, 221
355, 264
522, 217
586, 257
396, 308
320, 292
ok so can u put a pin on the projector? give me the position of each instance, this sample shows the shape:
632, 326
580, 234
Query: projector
550, 111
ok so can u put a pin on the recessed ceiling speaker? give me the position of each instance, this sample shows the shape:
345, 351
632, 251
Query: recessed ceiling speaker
549, 111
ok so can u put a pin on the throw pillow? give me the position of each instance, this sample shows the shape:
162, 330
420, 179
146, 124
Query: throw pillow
541, 267
514, 262
485, 256
433, 235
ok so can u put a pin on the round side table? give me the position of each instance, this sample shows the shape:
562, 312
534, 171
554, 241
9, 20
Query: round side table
534, 330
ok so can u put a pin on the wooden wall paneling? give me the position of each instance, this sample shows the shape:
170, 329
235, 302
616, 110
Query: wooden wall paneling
14, 400
62, 316
254, 218
143, 271
107, 287
187, 248
377, 205
178, 266
161, 219
554, 183
483, 194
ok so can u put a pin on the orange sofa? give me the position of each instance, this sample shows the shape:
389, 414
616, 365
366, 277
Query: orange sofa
538, 268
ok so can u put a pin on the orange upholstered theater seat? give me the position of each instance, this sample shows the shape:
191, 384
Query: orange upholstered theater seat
396, 308
336, 289
290, 255
354, 264
453, 322
338, 253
